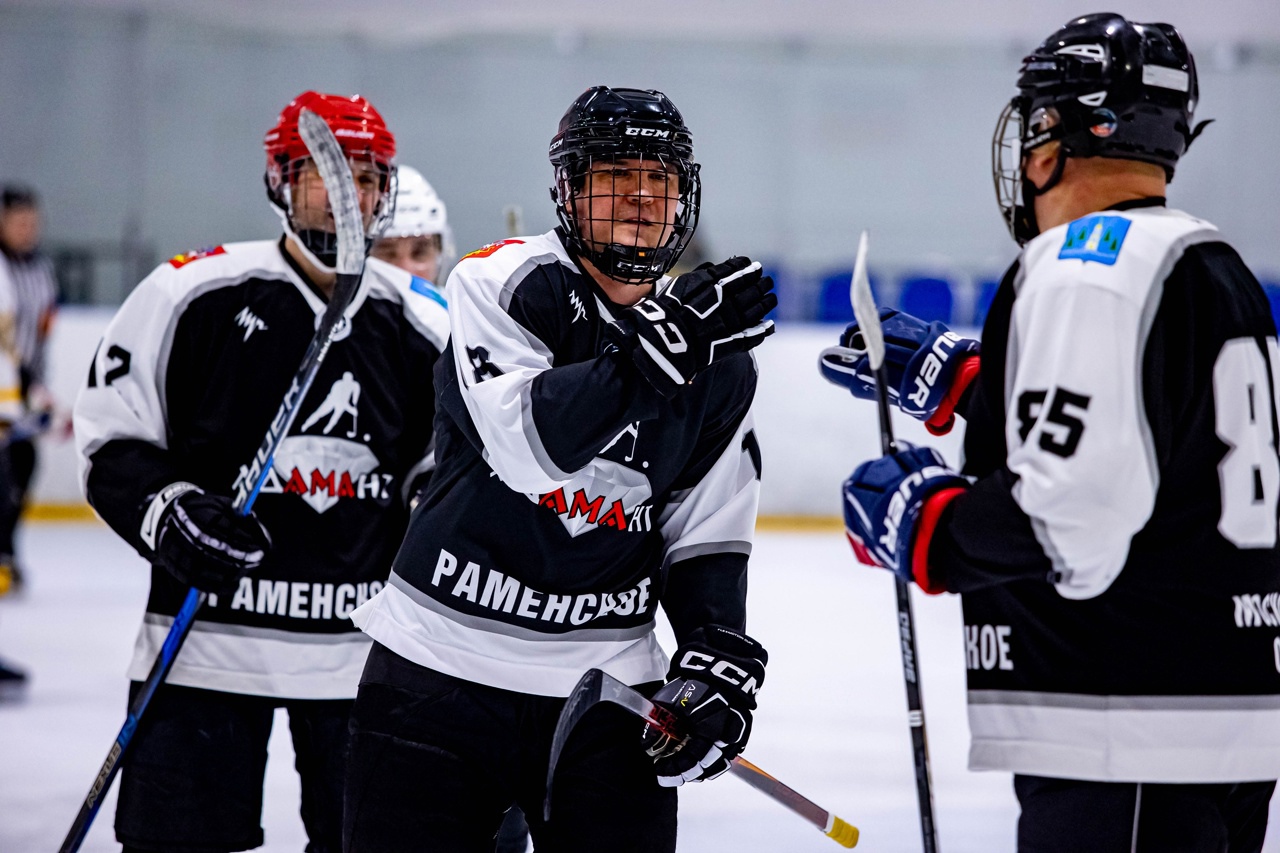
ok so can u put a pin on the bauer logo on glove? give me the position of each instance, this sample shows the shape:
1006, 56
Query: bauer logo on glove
928, 367
885, 501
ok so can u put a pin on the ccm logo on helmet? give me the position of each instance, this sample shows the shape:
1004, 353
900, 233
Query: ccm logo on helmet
722, 669
648, 131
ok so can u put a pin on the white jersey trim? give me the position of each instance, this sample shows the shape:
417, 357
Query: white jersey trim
1170, 739
291, 666
429, 638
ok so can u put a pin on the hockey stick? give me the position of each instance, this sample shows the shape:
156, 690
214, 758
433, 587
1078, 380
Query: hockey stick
344, 202
868, 317
597, 686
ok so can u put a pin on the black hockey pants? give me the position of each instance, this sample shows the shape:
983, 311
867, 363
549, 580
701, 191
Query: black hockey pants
436, 761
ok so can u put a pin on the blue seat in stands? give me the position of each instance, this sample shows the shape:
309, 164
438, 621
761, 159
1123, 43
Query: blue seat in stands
1272, 289
927, 298
783, 288
833, 296
986, 293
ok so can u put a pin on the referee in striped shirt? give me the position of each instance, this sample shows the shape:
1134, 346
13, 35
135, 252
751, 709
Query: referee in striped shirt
34, 294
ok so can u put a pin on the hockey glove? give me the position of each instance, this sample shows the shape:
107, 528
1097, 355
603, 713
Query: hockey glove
891, 508
711, 689
928, 367
700, 318
199, 539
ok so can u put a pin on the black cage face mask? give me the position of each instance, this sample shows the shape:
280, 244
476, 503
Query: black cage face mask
630, 214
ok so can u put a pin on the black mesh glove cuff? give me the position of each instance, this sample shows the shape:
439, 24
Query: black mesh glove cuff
714, 678
201, 540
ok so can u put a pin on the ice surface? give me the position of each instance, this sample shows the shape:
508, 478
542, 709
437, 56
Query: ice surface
832, 718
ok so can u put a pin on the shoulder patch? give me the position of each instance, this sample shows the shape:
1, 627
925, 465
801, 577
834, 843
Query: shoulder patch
179, 261
486, 251
427, 289
1095, 238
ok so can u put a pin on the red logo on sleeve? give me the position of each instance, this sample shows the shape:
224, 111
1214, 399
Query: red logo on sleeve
180, 261
486, 251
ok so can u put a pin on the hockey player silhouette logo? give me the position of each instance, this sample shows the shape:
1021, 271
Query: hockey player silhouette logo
343, 399
323, 468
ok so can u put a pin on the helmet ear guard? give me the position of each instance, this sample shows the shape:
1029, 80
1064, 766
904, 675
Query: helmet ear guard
604, 127
1102, 87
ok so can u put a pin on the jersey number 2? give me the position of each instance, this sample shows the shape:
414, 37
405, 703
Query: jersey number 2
1244, 415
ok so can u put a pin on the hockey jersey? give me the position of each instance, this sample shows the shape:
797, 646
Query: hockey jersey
570, 497
184, 384
1124, 624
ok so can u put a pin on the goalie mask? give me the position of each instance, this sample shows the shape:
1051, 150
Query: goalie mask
293, 182
1101, 87
626, 188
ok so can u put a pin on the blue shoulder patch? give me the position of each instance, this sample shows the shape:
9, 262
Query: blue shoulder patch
427, 289
1095, 238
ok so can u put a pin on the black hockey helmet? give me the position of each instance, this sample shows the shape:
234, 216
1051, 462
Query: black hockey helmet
1102, 86
608, 125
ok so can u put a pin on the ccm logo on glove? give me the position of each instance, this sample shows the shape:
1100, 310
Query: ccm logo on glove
725, 670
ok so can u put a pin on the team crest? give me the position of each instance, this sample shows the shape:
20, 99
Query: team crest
1095, 238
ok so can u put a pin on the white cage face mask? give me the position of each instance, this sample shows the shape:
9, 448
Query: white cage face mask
300, 200
1010, 143
1006, 163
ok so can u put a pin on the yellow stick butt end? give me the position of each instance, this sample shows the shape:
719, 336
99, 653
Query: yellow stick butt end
845, 834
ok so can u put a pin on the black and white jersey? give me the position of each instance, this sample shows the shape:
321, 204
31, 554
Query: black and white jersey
1118, 556
570, 498
185, 382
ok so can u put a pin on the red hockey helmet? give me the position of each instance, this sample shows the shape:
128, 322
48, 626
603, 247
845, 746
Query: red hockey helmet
363, 135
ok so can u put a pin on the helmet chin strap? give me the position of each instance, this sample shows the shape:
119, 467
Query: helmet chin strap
1025, 225
301, 244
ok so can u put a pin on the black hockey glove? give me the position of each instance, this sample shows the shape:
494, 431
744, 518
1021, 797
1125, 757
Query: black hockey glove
711, 690
698, 319
201, 540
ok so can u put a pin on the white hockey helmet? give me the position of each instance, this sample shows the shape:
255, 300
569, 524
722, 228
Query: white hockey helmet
419, 211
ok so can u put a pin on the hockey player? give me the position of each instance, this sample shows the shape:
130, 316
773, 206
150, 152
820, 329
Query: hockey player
181, 391
418, 239
596, 458
1114, 540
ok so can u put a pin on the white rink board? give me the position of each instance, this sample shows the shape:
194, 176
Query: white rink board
811, 432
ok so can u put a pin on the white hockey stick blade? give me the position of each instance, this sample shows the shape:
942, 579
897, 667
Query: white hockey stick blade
341, 188
864, 306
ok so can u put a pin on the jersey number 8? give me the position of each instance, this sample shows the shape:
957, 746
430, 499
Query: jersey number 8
1245, 420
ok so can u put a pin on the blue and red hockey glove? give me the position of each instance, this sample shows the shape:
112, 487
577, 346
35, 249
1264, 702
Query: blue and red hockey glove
928, 367
891, 509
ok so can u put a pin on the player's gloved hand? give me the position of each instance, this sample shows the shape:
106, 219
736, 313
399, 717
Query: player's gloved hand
201, 540
891, 508
711, 690
928, 367
698, 319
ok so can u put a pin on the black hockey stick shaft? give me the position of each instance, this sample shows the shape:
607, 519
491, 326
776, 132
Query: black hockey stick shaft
597, 686
868, 317
344, 202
